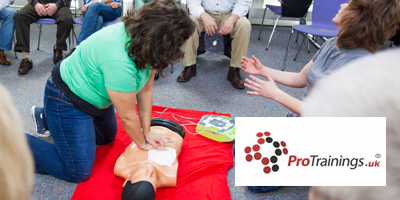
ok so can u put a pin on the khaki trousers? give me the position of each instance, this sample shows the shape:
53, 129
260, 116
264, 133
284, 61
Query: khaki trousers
240, 35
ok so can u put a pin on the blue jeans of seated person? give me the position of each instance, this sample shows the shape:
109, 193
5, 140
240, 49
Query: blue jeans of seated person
75, 136
7, 28
93, 19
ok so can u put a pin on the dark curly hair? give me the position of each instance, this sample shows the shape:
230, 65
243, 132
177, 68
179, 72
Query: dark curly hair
157, 30
368, 23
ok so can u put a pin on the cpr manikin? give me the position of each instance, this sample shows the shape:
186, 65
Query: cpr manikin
145, 171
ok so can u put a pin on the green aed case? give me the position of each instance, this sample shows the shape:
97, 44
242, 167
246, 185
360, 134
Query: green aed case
218, 128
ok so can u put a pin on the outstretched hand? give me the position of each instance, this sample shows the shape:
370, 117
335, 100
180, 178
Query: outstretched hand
155, 141
252, 66
267, 89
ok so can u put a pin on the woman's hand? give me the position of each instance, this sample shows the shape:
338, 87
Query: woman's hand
267, 89
155, 141
84, 7
252, 66
114, 4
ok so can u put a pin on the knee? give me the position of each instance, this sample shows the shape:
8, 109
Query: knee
93, 7
9, 13
196, 23
243, 23
77, 177
66, 20
18, 16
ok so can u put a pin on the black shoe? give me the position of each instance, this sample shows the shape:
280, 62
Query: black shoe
234, 78
25, 66
58, 55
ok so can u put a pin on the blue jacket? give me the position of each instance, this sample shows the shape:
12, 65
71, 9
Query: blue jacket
5, 3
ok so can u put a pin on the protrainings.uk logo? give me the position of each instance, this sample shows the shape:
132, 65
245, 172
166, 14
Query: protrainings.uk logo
270, 159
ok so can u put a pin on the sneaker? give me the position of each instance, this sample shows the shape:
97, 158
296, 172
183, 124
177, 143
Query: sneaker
37, 116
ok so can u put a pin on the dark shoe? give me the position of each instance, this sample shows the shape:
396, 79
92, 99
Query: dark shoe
25, 66
58, 55
187, 73
234, 78
3, 59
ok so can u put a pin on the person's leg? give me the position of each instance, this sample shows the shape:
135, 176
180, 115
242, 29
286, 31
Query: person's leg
23, 20
91, 22
105, 126
6, 33
63, 17
7, 28
241, 36
191, 45
99, 23
71, 158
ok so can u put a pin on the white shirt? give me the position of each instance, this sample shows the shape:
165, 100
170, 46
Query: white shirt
238, 7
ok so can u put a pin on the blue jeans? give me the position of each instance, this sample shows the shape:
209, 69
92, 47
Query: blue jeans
93, 19
263, 189
7, 28
75, 136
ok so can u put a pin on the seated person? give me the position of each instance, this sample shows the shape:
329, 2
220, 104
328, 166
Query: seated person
365, 88
145, 171
229, 16
359, 34
94, 13
35, 10
6, 29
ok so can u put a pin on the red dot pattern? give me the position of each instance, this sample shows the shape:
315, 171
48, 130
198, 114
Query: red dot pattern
256, 147
265, 161
249, 158
285, 151
267, 170
261, 141
257, 156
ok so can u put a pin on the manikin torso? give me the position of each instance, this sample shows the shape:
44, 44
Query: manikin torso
134, 163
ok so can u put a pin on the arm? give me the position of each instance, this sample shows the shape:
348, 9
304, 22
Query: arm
242, 7
145, 103
268, 89
298, 80
124, 103
61, 3
195, 8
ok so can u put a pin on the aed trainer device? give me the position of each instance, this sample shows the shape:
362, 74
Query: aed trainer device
218, 128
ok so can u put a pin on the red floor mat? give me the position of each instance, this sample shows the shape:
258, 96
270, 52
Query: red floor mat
203, 164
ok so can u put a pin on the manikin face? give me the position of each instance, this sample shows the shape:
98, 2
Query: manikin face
338, 18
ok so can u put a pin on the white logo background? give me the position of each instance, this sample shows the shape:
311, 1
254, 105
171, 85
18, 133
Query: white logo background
358, 137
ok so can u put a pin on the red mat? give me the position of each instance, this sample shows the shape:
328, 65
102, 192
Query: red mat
203, 165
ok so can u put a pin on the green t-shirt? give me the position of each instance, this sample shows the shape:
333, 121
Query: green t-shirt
99, 62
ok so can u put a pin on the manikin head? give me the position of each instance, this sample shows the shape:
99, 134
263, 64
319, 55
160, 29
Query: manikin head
145, 171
